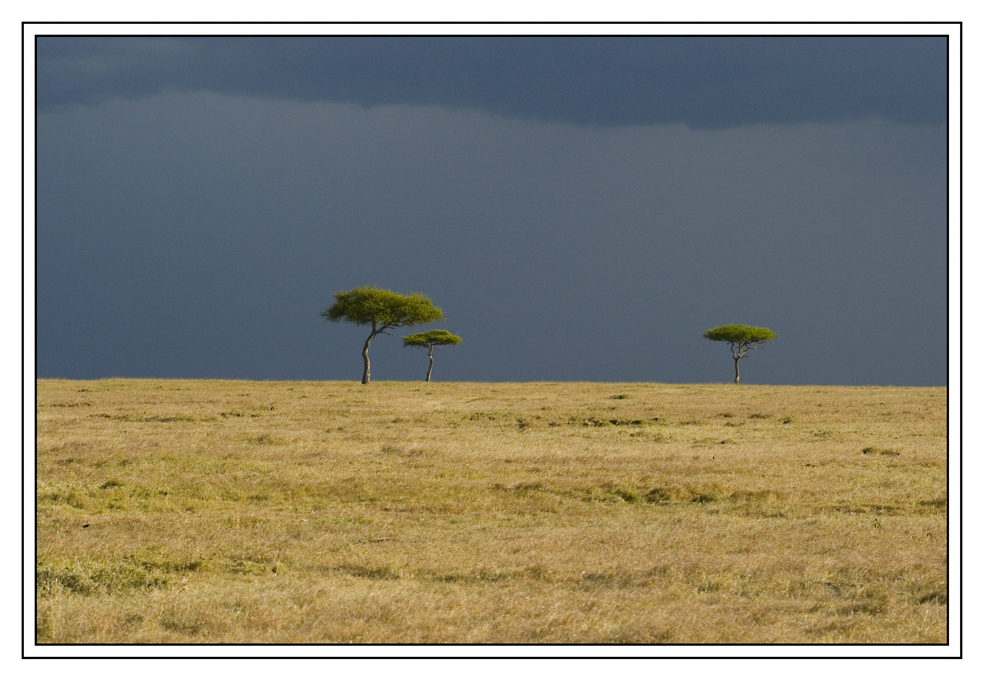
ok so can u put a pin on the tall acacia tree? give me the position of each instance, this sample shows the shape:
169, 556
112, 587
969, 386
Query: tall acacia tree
381, 310
429, 340
742, 339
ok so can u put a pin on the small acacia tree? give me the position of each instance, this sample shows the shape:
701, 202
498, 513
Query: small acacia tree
382, 310
742, 339
430, 339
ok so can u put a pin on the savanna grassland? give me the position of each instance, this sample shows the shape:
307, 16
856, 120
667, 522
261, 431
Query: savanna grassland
332, 512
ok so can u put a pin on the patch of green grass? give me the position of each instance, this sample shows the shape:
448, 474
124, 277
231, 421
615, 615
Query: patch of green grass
94, 578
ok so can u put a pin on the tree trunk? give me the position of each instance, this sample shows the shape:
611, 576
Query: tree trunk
431, 355
365, 359
736, 369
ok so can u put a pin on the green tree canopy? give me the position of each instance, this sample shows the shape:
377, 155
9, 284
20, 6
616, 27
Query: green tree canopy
381, 310
741, 338
429, 340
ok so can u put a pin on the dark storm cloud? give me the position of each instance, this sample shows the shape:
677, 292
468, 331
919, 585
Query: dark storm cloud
200, 199
703, 82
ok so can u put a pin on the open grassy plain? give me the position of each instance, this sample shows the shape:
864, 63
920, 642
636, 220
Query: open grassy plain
331, 512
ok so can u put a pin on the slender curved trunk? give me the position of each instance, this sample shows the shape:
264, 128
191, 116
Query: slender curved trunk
365, 358
430, 354
736, 369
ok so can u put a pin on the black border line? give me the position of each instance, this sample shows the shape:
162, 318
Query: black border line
825, 646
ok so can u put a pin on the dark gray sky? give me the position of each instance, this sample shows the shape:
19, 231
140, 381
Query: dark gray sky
582, 208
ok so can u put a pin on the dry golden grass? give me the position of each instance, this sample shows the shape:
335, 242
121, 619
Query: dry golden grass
302, 512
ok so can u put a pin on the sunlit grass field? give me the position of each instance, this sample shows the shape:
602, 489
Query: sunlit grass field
331, 512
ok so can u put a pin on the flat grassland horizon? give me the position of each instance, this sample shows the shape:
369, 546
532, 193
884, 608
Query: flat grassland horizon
224, 511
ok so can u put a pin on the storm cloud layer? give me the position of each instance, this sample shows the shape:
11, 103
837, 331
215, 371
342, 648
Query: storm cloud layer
581, 208
700, 82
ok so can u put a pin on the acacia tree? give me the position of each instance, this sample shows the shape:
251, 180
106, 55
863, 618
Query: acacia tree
381, 310
742, 339
430, 339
